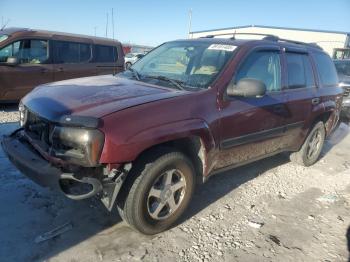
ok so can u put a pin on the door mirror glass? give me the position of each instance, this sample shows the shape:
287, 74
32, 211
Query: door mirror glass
11, 60
247, 87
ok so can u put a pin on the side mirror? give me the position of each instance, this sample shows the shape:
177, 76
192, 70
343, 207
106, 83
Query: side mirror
12, 60
247, 87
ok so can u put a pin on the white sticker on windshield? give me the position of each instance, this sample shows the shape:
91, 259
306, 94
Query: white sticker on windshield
229, 48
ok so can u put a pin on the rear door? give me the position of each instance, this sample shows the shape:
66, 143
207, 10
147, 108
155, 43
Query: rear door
34, 67
253, 127
72, 60
301, 94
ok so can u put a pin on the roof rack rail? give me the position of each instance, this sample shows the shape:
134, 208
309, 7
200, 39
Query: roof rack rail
299, 43
268, 37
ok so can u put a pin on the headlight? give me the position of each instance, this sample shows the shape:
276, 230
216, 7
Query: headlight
77, 145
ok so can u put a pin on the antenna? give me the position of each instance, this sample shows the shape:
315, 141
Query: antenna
112, 23
3, 25
95, 27
107, 25
190, 23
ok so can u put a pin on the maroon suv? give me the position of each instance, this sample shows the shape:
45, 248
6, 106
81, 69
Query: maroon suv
144, 138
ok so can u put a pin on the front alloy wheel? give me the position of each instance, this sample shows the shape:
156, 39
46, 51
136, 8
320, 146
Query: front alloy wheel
160, 193
166, 194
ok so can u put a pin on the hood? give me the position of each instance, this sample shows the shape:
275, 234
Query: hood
95, 96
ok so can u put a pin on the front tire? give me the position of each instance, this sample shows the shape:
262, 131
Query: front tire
160, 194
312, 147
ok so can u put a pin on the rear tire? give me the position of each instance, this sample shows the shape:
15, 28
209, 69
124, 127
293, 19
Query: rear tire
160, 194
312, 147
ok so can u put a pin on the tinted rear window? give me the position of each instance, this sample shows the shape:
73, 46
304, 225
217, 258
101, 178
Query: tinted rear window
300, 72
326, 69
70, 52
105, 54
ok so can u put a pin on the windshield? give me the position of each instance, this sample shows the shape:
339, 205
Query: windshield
343, 67
192, 64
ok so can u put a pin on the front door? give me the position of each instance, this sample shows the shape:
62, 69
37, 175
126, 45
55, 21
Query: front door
33, 68
254, 127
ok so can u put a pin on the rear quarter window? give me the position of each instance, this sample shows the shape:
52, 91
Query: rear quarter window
326, 69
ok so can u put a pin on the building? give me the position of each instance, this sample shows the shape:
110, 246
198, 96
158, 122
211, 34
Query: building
132, 48
336, 44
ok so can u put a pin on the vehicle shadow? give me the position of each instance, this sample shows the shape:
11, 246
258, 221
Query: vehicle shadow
336, 137
348, 241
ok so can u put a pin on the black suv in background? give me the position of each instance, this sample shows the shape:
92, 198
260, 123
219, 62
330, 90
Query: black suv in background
343, 69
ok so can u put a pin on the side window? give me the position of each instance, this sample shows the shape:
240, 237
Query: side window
264, 66
299, 70
326, 69
70, 52
26, 51
9, 51
105, 54
84, 52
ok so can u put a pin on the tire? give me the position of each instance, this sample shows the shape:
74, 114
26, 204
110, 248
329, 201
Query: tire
152, 203
307, 156
127, 65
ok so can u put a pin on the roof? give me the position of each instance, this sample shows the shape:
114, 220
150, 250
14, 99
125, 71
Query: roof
272, 27
12, 30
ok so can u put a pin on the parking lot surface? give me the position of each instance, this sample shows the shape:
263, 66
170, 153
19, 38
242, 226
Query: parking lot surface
271, 210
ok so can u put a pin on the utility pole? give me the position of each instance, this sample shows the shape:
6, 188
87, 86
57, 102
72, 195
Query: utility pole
112, 24
107, 25
190, 23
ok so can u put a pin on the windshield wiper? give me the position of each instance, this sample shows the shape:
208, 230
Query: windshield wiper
134, 73
176, 83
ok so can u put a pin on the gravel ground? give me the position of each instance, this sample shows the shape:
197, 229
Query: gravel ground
271, 210
9, 113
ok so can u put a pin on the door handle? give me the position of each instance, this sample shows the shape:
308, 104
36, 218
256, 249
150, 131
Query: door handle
44, 70
315, 101
60, 69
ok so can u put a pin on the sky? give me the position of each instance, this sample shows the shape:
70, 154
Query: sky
152, 22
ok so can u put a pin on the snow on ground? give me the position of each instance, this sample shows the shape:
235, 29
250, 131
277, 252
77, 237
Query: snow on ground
271, 210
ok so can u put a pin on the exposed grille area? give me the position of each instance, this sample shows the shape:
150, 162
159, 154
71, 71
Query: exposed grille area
38, 128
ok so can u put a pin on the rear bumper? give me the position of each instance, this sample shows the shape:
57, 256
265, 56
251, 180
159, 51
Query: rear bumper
30, 163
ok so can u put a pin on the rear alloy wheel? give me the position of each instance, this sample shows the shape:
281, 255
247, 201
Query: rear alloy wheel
160, 194
312, 147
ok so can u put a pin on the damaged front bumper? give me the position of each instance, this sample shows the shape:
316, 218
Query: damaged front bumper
29, 161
